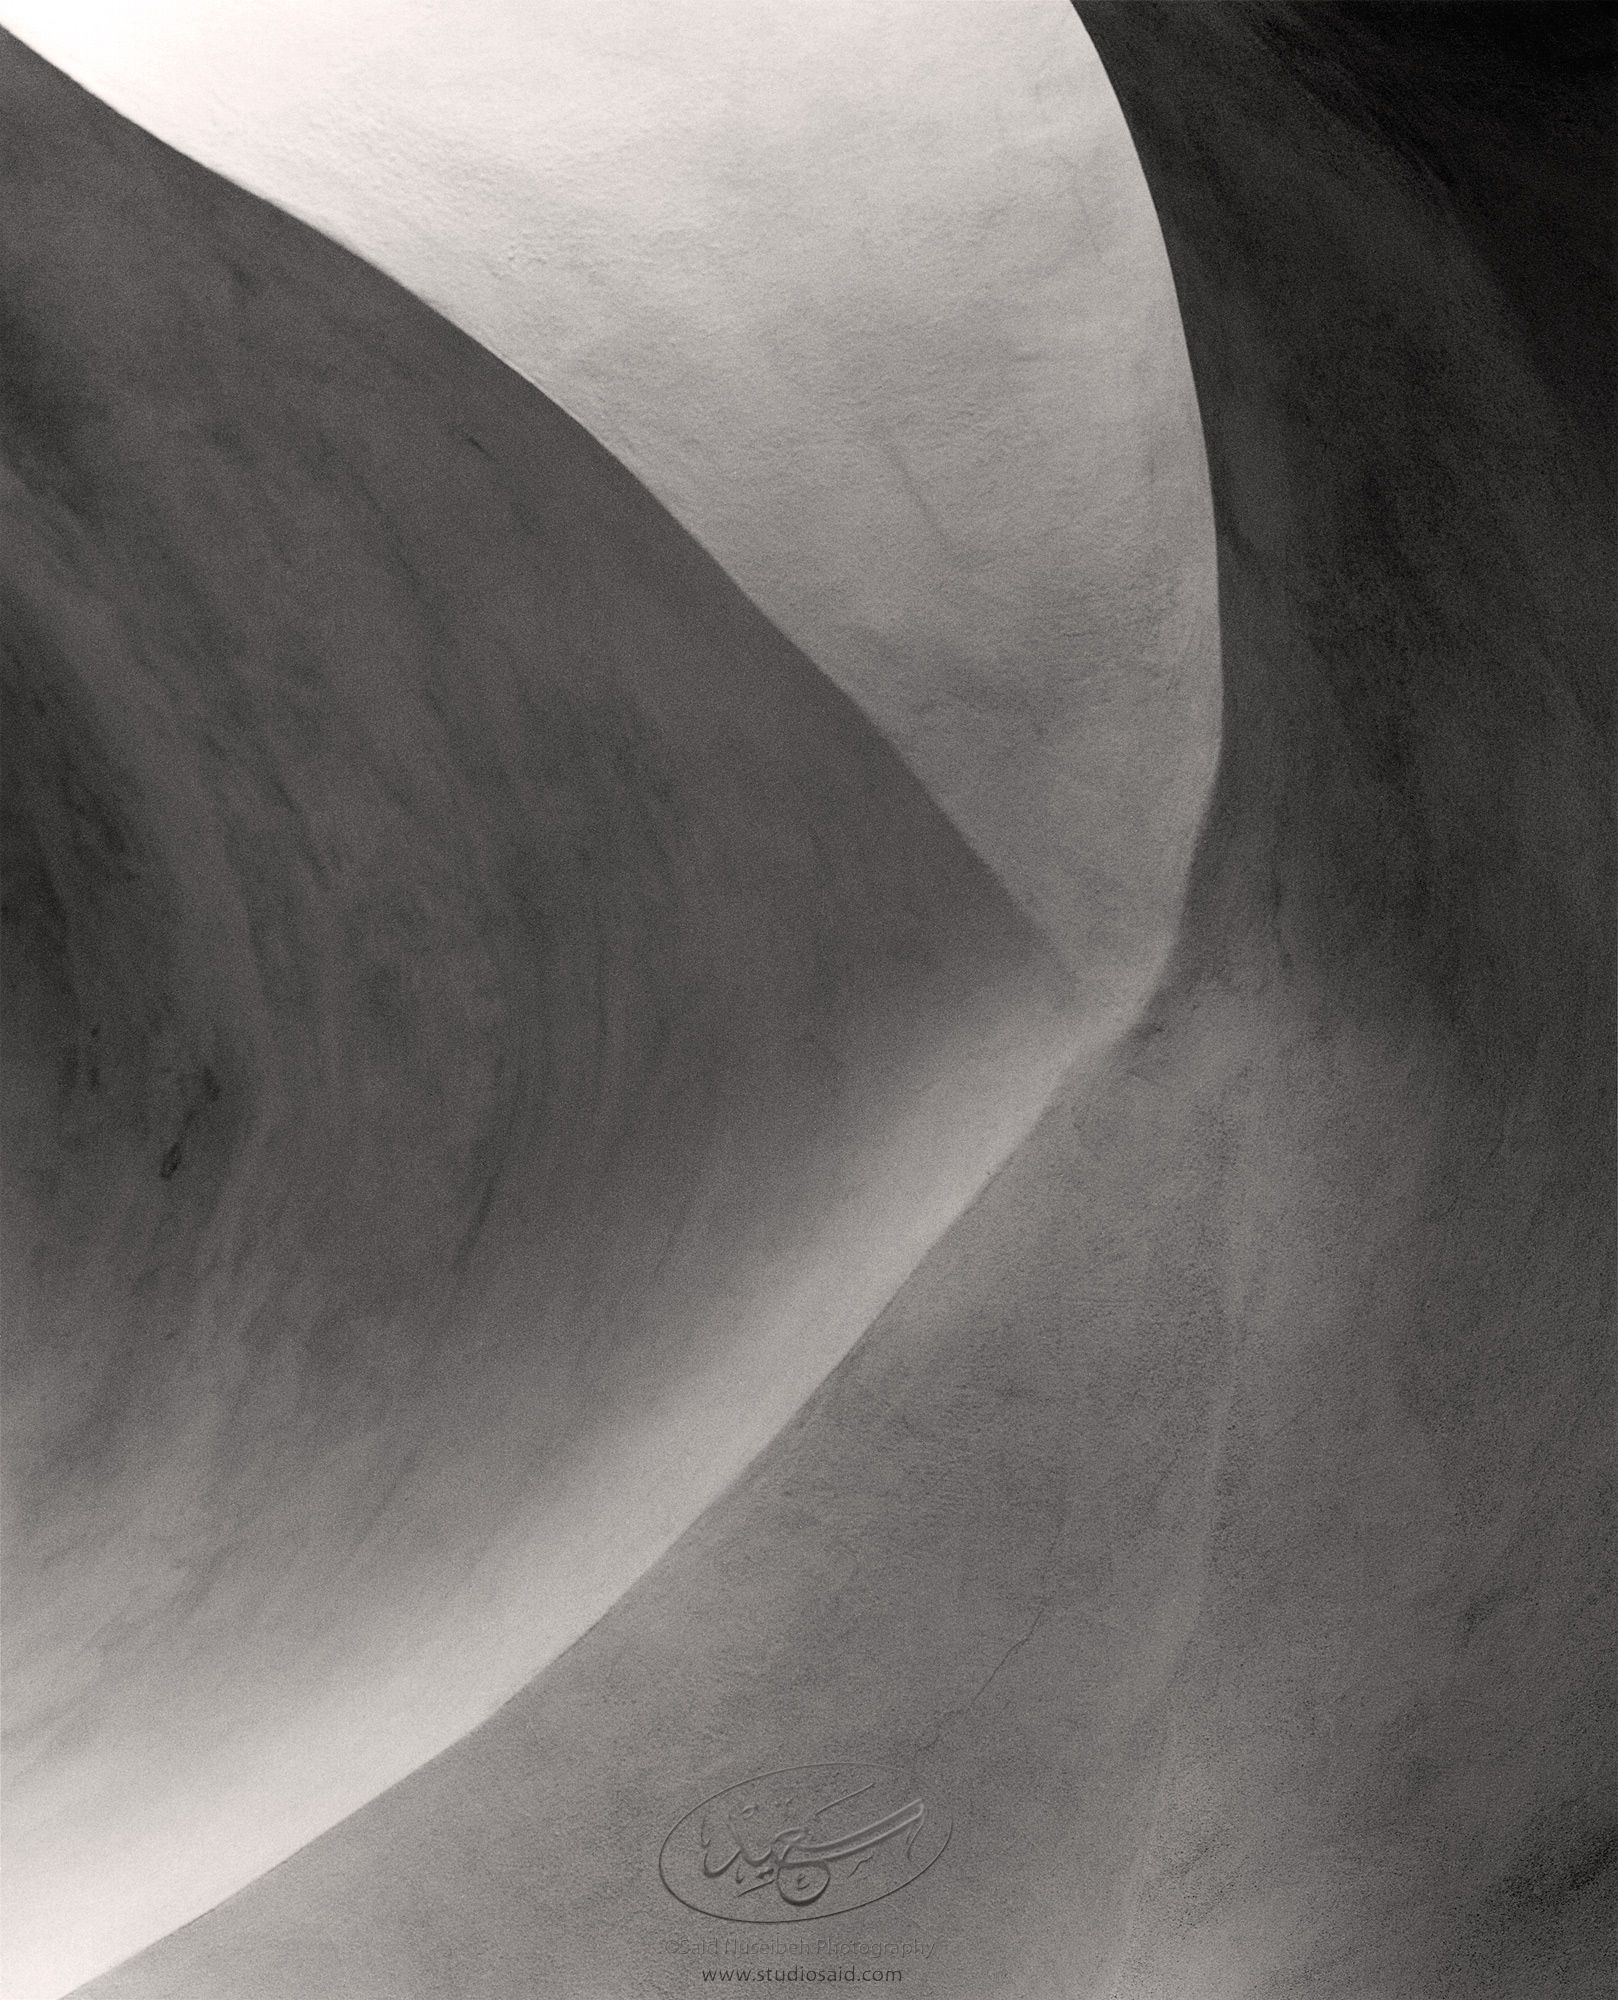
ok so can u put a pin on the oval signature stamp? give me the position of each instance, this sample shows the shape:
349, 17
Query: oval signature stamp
810, 1842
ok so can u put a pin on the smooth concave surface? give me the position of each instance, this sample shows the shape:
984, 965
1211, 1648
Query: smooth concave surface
487, 1026
1221, 1518
1218, 1524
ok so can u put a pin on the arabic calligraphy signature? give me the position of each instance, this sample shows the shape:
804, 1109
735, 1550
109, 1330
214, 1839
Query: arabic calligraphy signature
798, 1867
815, 1840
